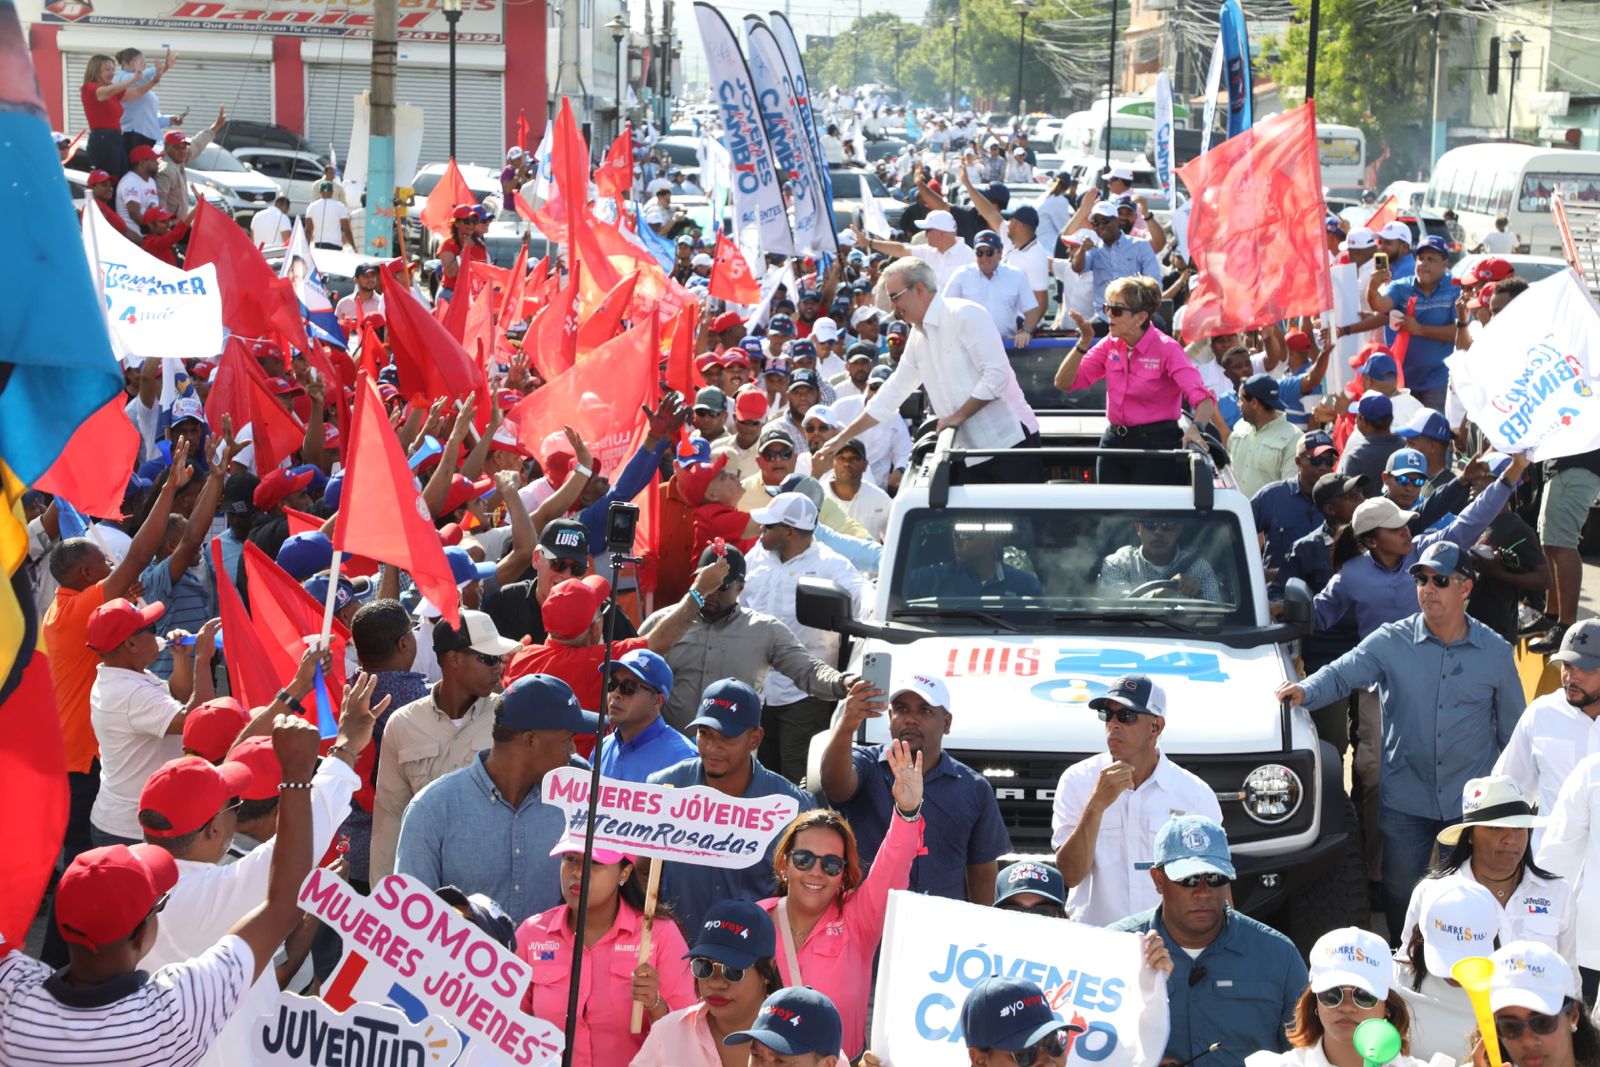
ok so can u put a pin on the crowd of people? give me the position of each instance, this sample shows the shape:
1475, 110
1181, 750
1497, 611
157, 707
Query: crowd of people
195, 818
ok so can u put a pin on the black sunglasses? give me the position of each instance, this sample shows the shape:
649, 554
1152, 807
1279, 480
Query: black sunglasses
1115, 311
1052, 1045
1332, 998
1215, 881
1161, 525
804, 859
984, 252
782, 453
627, 686
1126, 716
576, 568
703, 968
1327, 459
706, 413
1439, 581
1512, 1029
486, 659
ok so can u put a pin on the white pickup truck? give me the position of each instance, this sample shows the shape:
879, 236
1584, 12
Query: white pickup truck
1024, 656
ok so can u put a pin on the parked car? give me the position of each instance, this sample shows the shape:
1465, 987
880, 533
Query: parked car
242, 133
297, 173
246, 191
850, 184
77, 185
1528, 268
336, 267
484, 183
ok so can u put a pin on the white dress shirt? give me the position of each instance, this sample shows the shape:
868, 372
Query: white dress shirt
326, 216
888, 444
769, 588
1571, 848
1118, 883
956, 354
1005, 294
211, 898
945, 264
130, 712
870, 506
1546, 744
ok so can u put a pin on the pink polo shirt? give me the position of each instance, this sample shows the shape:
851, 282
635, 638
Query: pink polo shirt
836, 959
683, 1039
1143, 385
605, 988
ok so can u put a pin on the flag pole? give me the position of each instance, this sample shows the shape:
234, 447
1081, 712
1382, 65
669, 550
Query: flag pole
327, 607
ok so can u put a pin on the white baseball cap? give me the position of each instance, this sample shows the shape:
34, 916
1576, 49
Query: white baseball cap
188, 407
1396, 231
1121, 174
788, 509
1379, 513
824, 329
1351, 957
932, 690
657, 186
861, 314
1360, 238
942, 221
1528, 974
823, 414
700, 259
513, 153
1458, 921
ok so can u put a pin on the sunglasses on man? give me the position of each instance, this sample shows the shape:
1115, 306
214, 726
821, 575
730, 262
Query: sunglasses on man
1053, 1045
1439, 581
627, 686
1416, 481
573, 567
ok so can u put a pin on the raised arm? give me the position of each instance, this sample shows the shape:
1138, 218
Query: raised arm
983, 205
154, 528
666, 633
561, 501
839, 778
523, 539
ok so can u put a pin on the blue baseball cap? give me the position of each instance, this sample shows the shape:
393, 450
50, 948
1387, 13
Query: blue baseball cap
1136, 692
332, 492
1427, 423
1025, 876
1445, 557
304, 554
755, 346
1026, 214
319, 480
697, 452
795, 1021
1433, 244
988, 239
1406, 461
464, 569
1009, 1014
781, 324
1263, 387
809, 294
348, 592
1379, 365
542, 702
1192, 844
801, 348
736, 933
1375, 407
729, 707
646, 666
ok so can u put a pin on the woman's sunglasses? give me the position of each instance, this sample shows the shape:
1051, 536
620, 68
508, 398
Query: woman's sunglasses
1115, 311
1511, 1029
804, 859
1052, 1045
1332, 998
703, 968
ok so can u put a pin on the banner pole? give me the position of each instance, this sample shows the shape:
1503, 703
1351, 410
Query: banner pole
1311, 49
652, 889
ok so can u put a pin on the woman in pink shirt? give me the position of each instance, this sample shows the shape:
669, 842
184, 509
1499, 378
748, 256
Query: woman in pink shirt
829, 921
1148, 376
732, 961
612, 978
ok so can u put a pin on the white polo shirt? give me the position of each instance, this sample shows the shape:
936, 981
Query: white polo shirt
1033, 260
1005, 294
945, 264
130, 712
1118, 883
268, 226
1539, 909
1546, 744
870, 507
1571, 848
166, 1019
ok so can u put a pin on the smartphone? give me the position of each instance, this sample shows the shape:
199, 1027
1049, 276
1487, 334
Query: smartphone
1380, 261
875, 668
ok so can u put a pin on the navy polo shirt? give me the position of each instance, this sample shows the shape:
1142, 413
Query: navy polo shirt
657, 747
1241, 990
962, 824
1285, 513
956, 579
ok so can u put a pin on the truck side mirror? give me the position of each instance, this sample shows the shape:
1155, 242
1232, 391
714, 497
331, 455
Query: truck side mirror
1297, 605
822, 604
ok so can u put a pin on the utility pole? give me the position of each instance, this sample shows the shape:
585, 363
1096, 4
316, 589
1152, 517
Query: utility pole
569, 69
1111, 82
1311, 50
380, 229
1436, 141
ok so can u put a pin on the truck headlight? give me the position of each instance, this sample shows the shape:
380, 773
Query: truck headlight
1272, 793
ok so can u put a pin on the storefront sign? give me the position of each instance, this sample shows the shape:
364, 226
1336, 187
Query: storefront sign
420, 20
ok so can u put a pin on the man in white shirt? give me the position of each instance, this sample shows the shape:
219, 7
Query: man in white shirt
1561, 728
787, 553
138, 718
1109, 808
1002, 290
272, 226
366, 300
328, 221
945, 252
1502, 240
888, 444
179, 811
956, 355
832, 147
1571, 849
136, 190
861, 500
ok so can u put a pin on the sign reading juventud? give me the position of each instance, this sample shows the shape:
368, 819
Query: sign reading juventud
420, 20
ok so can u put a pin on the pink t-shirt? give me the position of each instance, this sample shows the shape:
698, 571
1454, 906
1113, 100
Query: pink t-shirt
1146, 383
683, 1039
836, 959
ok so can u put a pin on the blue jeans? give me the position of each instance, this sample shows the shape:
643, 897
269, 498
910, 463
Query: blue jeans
1408, 842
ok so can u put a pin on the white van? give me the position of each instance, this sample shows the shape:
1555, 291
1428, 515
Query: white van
1480, 181
1084, 134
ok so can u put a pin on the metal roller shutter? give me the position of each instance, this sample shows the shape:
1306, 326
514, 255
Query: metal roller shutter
200, 83
480, 109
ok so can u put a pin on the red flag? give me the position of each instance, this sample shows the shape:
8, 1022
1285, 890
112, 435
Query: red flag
284, 615
614, 176
510, 312
239, 388
381, 513
522, 129
569, 162
468, 282
451, 192
682, 330
605, 322
524, 211
1387, 212
550, 219
479, 333
251, 675
255, 301
554, 332
300, 522
431, 362
92, 471
1256, 228
1402, 342
33, 782
731, 279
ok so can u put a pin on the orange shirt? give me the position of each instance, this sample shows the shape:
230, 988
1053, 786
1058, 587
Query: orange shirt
72, 668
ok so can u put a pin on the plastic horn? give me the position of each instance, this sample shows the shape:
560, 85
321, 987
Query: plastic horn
429, 448
1473, 973
1377, 1041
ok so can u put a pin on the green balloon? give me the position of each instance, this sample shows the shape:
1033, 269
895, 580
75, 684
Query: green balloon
1378, 1041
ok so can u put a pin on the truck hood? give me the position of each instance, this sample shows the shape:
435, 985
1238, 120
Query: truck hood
1027, 693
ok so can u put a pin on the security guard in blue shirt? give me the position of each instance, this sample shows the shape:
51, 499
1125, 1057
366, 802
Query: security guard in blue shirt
1234, 981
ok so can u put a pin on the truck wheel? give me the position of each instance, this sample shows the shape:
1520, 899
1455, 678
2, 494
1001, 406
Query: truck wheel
1335, 899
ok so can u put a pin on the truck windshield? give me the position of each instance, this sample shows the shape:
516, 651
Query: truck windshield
1186, 569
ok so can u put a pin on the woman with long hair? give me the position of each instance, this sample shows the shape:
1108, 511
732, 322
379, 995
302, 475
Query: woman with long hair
612, 979
102, 97
1458, 920
1349, 985
829, 920
468, 224
1537, 1014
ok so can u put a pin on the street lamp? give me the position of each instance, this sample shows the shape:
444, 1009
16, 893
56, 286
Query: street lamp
1514, 49
1022, 7
452, 15
619, 29
897, 31
660, 40
954, 22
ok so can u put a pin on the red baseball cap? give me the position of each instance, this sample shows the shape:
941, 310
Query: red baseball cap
266, 772
96, 177
464, 211
726, 321
750, 405
558, 460
387, 392
1298, 340
212, 727
330, 435
278, 484
115, 621
463, 492
106, 892
286, 387
157, 213
573, 605
142, 153
1493, 269
735, 357
201, 369
1484, 294
176, 137
188, 792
